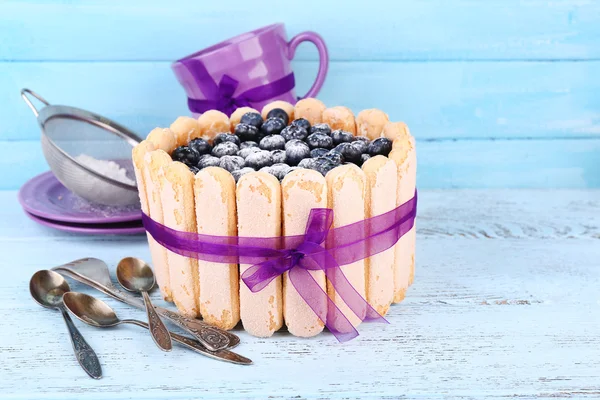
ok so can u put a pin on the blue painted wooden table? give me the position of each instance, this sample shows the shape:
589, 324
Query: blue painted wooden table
503, 98
505, 304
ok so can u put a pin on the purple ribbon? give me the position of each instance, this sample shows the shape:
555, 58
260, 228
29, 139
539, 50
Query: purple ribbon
319, 249
219, 96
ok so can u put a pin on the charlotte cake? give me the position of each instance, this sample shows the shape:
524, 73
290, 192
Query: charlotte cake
317, 154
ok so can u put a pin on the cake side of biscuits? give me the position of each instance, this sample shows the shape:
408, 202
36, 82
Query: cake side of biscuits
258, 174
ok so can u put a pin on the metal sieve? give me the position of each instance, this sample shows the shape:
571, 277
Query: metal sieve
70, 134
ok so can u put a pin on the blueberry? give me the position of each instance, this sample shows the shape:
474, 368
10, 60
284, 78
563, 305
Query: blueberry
296, 151
307, 163
186, 155
335, 157
279, 113
246, 132
294, 132
225, 149
321, 128
248, 144
208, 161
302, 123
272, 126
278, 156
237, 174
323, 165
200, 145
380, 146
226, 137
350, 152
293, 142
364, 158
340, 136
319, 140
252, 118
360, 138
318, 152
231, 163
245, 152
361, 144
272, 142
194, 170
259, 159
279, 170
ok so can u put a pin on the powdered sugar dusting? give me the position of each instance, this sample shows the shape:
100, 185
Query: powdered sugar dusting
81, 205
107, 168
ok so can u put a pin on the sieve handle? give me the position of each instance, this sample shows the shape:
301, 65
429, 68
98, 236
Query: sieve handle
25, 92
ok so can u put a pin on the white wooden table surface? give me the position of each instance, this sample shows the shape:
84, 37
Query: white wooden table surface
506, 303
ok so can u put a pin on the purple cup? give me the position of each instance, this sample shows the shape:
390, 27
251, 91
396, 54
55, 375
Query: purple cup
252, 69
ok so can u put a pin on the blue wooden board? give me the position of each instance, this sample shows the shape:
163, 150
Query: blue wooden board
441, 165
353, 29
437, 99
515, 316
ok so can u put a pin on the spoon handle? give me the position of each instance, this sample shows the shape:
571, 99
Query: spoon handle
223, 355
83, 352
158, 330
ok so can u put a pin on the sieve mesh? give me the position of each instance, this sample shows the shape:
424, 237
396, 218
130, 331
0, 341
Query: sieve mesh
69, 133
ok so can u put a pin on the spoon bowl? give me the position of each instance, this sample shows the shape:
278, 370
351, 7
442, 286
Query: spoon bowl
90, 310
135, 275
47, 288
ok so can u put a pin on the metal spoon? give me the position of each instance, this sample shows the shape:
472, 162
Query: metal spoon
97, 313
94, 273
47, 289
137, 276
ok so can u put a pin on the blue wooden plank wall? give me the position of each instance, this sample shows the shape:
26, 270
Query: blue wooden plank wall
499, 93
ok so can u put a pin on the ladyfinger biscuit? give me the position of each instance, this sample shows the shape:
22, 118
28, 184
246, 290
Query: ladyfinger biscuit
177, 196
163, 138
185, 129
404, 155
393, 130
258, 197
340, 117
237, 115
154, 162
302, 190
146, 192
212, 123
370, 123
214, 192
137, 156
382, 183
346, 186
310, 109
284, 105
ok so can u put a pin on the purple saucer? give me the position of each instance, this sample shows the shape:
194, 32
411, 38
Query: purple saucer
125, 228
44, 196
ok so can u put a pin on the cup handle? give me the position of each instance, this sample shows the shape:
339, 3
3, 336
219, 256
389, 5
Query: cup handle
318, 41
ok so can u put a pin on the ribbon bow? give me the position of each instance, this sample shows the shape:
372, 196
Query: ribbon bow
311, 255
221, 96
